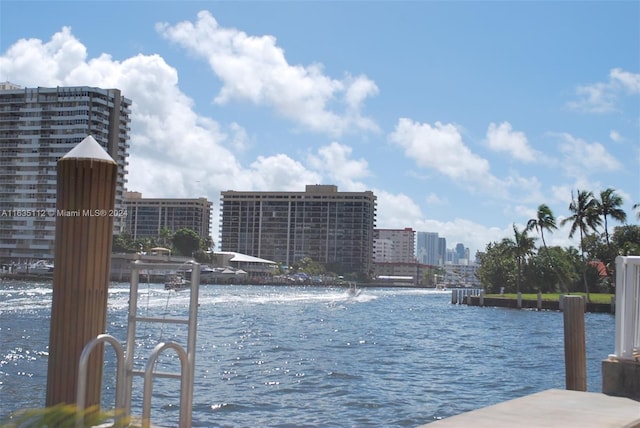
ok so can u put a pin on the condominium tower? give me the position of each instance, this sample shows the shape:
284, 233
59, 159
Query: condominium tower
146, 217
330, 227
37, 127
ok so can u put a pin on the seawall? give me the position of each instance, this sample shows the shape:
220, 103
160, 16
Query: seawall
532, 304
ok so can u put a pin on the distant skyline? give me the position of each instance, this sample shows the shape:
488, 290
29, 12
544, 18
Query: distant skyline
462, 117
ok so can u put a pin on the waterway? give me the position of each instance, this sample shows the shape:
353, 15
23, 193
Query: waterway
313, 356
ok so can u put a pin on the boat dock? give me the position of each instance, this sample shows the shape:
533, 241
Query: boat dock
551, 408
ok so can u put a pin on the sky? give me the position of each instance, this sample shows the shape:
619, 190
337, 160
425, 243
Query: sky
462, 116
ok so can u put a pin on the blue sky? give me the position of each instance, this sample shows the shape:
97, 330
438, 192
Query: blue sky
462, 117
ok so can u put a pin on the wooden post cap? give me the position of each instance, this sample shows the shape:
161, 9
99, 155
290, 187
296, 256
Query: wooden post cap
88, 149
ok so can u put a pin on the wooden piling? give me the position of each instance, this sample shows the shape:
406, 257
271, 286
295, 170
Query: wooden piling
86, 187
575, 355
539, 300
613, 304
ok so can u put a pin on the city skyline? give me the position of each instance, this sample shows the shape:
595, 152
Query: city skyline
461, 117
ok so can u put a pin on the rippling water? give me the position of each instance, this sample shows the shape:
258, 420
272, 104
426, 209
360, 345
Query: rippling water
311, 357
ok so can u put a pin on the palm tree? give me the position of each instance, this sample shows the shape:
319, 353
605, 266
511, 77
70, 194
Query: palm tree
585, 217
524, 245
609, 205
165, 237
545, 221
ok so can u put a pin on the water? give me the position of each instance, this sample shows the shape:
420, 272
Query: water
311, 357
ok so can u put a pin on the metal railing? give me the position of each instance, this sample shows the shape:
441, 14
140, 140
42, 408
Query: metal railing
125, 370
186, 374
82, 375
627, 340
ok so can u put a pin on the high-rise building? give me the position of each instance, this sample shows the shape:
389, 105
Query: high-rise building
427, 248
394, 245
442, 251
462, 252
146, 217
330, 227
37, 127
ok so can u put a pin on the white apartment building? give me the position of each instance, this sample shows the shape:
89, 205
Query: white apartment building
37, 127
394, 245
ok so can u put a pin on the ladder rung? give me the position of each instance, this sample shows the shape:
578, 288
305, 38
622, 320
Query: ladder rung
157, 374
162, 320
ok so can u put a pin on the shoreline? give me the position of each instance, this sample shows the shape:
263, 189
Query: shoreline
544, 305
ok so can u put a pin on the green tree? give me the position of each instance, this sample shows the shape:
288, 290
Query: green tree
207, 244
609, 206
186, 242
310, 267
123, 243
596, 248
538, 275
522, 249
585, 218
497, 267
564, 265
204, 254
545, 220
145, 243
626, 240
164, 237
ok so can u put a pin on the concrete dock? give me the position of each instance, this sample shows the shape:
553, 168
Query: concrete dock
552, 408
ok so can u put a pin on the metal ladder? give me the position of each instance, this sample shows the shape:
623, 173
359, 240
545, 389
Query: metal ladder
124, 377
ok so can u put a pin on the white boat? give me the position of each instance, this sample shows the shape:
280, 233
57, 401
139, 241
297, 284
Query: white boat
176, 282
353, 290
41, 267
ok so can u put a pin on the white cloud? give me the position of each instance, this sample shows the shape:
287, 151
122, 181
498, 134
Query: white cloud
629, 81
440, 148
334, 161
615, 136
31, 60
596, 98
602, 97
255, 69
239, 139
281, 173
580, 158
400, 210
433, 199
502, 138
527, 189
